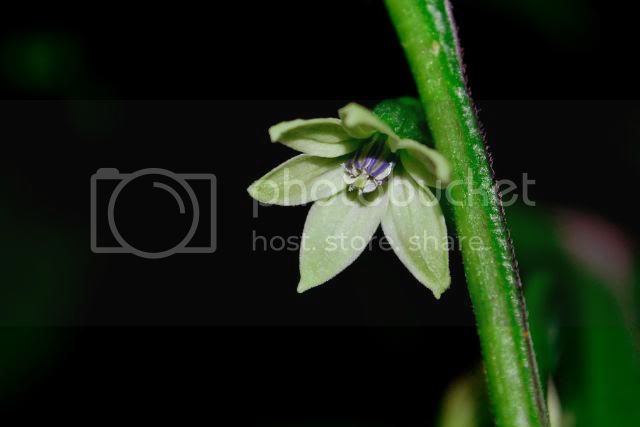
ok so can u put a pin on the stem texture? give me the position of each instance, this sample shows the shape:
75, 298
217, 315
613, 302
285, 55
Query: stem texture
428, 36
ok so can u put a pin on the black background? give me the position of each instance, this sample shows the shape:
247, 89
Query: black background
193, 88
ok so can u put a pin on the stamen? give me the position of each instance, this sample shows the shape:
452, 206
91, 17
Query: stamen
370, 166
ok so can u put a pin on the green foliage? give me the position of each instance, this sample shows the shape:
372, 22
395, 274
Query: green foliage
40, 270
584, 342
587, 347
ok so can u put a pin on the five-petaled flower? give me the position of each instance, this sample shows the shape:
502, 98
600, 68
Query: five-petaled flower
360, 173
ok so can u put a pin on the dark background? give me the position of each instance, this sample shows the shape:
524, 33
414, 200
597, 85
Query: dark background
190, 88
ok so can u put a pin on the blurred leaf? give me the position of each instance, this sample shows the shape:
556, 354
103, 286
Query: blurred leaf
584, 340
579, 329
43, 63
40, 267
567, 21
600, 379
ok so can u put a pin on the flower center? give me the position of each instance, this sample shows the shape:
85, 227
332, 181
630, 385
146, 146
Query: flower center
370, 166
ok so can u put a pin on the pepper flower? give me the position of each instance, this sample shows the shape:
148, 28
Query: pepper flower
360, 173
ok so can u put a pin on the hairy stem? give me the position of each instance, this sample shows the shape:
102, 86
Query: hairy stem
427, 33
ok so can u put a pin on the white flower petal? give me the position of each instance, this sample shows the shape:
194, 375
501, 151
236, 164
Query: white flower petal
336, 232
361, 123
416, 230
300, 180
425, 165
318, 137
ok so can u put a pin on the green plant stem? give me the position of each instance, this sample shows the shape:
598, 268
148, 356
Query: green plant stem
427, 34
